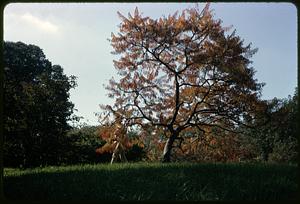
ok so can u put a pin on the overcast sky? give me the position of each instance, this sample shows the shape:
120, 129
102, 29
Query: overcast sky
75, 37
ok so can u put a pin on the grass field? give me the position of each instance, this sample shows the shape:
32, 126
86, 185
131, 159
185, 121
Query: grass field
140, 181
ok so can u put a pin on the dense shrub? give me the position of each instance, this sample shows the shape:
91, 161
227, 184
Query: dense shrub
80, 146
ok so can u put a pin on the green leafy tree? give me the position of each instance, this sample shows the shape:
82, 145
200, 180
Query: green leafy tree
277, 139
36, 106
80, 146
181, 72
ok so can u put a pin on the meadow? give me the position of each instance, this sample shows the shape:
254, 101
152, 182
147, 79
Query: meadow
154, 182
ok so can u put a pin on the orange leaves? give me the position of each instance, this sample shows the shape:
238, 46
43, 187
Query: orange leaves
180, 70
125, 62
219, 147
109, 148
188, 93
105, 134
136, 12
115, 135
121, 16
181, 23
151, 76
138, 33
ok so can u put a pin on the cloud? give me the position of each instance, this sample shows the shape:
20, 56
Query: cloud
39, 23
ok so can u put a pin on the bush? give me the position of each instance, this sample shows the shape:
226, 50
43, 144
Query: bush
80, 146
135, 153
284, 152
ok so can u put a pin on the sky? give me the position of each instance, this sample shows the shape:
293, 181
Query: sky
74, 35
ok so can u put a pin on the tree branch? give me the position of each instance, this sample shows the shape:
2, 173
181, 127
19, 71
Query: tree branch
177, 104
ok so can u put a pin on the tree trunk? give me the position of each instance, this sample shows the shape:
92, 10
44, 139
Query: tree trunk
168, 148
119, 152
115, 152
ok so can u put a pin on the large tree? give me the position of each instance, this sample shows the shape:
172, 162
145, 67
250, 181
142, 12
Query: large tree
180, 73
36, 106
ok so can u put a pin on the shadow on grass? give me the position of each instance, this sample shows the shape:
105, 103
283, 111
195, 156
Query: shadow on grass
192, 182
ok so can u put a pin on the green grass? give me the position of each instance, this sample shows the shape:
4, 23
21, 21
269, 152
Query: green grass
141, 181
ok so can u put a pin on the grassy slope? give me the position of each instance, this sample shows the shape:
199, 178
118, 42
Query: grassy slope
154, 182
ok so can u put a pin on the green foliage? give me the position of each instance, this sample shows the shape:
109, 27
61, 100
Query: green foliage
80, 144
285, 151
276, 140
144, 181
36, 106
135, 153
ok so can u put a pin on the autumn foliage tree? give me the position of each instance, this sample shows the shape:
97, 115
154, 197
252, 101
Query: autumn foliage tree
182, 73
118, 141
214, 146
